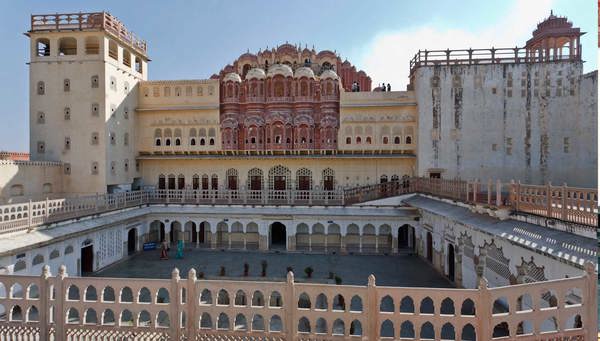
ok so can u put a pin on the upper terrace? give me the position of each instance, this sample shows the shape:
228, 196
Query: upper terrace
569, 209
510, 55
88, 22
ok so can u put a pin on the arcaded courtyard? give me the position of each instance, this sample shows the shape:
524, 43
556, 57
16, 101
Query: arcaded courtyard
395, 270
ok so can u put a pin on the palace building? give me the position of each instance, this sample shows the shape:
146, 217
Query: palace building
462, 208
289, 118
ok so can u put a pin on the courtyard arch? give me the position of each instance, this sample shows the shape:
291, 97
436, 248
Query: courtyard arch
277, 236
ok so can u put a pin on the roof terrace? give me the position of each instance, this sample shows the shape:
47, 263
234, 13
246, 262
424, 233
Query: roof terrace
88, 22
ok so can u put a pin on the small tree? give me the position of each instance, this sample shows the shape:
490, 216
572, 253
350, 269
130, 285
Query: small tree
246, 269
200, 274
308, 271
222, 271
263, 265
338, 280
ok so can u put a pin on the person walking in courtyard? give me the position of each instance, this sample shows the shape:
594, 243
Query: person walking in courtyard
179, 254
164, 247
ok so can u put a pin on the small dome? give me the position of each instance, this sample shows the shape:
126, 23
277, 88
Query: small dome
304, 72
280, 69
232, 76
329, 74
256, 73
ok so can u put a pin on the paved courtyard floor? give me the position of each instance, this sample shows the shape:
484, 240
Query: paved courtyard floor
396, 270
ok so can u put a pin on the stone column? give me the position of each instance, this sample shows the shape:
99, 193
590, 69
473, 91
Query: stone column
263, 236
168, 233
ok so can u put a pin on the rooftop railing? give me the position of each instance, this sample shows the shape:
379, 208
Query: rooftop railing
61, 307
492, 55
569, 204
87, 21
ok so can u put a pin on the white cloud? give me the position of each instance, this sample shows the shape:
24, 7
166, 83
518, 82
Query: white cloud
386, 58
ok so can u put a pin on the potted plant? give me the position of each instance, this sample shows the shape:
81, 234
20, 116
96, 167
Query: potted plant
222, 271
308, 271
246, 269
263, 265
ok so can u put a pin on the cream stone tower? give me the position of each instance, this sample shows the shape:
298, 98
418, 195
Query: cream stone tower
84, 75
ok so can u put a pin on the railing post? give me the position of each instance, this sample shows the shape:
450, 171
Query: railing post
174, 305
44, 299
59, 312
590, 301
190, 304
564, 202
484, 311
289, 307
489, 192
372, 310
29, 214
498, 193
549, 200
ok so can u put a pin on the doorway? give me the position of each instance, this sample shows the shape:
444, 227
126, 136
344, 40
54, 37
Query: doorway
278, 236
451, 261
429, 247
131, 241
87, 259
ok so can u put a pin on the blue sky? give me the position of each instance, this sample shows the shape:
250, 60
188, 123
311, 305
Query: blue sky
194, 39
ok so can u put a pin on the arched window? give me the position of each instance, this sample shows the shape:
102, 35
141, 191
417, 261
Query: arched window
67, 46
397, 140
385, 140
408, 140
113, 50
43, 47
92, 45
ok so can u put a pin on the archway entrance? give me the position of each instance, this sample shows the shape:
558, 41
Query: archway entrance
131, 241
201, 232
87, 258
278, 236
429, 247
451, 261
406, 237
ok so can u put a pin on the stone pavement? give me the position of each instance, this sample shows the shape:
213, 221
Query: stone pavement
395, 270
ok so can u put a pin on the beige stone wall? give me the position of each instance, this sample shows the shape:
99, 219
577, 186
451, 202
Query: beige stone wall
378, 122
349, 170
81, 109
184, 111
35, 180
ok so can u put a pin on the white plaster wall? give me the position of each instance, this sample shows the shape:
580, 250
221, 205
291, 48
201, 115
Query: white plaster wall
472, 118
446, 230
